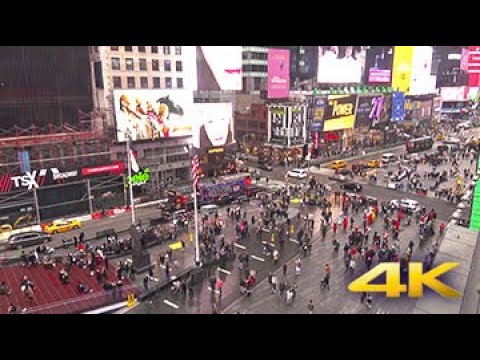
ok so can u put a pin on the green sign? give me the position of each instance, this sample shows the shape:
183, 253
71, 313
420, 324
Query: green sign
140, 178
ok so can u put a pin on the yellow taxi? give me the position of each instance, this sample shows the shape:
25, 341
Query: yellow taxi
5, 228
61, 226
474, 141
440, 137
374, 164
338, 164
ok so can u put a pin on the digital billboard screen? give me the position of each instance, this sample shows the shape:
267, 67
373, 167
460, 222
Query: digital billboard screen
278, 73
340, 112
219, 68
213, 126
153, 114
340, 64
379, 64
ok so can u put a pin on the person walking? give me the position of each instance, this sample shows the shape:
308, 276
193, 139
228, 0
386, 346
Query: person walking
274, 284
326, 278
298, 267
351, 266
368, 301
285, 268
310, 307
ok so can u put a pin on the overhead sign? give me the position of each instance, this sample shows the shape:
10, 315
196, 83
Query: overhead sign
398, 106
110, 169
140, 178
278, 73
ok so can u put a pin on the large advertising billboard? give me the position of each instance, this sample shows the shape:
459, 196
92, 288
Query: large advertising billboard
398, 106
319, 105
402, 68
278, 73
297, 126
278, 125
213, 126
378, 65
340, 64
339, 112
372, 110
153, 114
219, 67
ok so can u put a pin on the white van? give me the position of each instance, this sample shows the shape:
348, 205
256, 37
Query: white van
389, 158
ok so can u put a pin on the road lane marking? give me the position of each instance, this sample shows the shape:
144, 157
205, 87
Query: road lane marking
257, 258
239, 246
293, 240
215, 291
169, 303
224, 271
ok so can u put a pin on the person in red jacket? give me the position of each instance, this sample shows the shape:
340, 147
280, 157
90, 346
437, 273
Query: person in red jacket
345, 223
334, 228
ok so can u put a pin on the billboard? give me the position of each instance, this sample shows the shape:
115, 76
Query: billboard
339, 112
340, 64
379, 64
278, 73
153, 114
219, 68
464, 60
363, 116
213, 126
278, 125
319, 105
398, 106
402, 68
297, 125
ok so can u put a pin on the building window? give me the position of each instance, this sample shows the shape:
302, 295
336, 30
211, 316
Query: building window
143, 64
114, 48
156, 82
166, 50
117, 82
240, 123
179, 83
167, 65
178, 50
258, 84
263, 125
129, 63
168, 82
129, 48
178, 66
115, 63
154, 49
143, 82
252, 124
141, 49
155, 65
131, 82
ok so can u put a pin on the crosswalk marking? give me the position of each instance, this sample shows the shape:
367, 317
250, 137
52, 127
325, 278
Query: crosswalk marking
224, 271
293, 240
381, 311
169, 303
239, 246
215, 291
257, 258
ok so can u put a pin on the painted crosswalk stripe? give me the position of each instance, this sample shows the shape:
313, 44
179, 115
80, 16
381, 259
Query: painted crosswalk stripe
257, 258
215, 291
240, 246
293, 240
224, 271
169, 303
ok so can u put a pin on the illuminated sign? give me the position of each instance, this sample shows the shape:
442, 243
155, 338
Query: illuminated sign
216, 150
339, 112
140, 178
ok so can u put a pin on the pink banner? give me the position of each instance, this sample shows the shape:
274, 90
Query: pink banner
379, 76
278, 73
464, 60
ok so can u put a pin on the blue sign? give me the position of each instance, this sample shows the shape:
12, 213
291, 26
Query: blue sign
24, 160
398, 106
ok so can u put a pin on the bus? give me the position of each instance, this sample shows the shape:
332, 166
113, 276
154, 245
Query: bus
419, 144
229, 186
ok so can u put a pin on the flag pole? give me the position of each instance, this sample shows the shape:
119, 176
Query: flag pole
197, 245
130, 187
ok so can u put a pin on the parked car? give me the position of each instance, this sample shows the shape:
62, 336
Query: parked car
351, 186
297, 173
407, 205
61, 226
22, 240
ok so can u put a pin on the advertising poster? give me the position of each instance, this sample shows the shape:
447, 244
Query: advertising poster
363, 111
278, 116
340, 64
379, 64
297, 125
398, 106
213, 126
153, 114
402, 68
464, 60
339, 112
278, 73
319, 105
219, 68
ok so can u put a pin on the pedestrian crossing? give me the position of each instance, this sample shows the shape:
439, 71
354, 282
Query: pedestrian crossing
381, 311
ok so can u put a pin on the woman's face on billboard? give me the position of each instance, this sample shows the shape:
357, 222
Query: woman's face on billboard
217, 130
